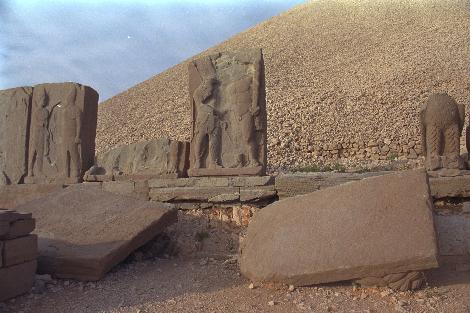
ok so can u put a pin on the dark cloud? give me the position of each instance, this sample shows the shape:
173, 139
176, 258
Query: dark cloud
113, 47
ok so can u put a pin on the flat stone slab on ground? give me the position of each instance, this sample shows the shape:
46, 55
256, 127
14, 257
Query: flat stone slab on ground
13, 195
84, 231
369, 228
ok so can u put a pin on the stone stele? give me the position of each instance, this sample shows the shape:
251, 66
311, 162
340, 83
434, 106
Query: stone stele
157, 158
366, 229
15, 108
83, 231
228, 101
442, 121
62, 132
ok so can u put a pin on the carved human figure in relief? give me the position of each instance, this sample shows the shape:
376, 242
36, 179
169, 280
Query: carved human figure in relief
70, 128
207, 125
244, 93
442, 121
39, 125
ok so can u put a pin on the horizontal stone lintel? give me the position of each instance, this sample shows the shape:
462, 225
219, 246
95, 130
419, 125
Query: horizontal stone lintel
239, 181
212, 194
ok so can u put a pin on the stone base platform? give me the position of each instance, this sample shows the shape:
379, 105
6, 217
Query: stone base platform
242, 171
240, 189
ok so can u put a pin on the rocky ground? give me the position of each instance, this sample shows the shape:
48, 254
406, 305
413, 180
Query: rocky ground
196, 271
344, 80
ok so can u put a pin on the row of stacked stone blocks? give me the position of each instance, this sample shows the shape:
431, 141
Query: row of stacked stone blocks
47, 133
18, 253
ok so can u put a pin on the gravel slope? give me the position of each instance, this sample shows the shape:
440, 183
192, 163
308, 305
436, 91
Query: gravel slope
352, 73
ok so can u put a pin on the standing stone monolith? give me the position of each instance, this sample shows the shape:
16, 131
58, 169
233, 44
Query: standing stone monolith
442, 120
227, 96
62, 132
15, 107
379, 229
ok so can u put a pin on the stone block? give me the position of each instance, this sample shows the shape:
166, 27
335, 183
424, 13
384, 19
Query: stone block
16, 280
189, 193
368, 228
455, 187
85, 231
225, 198
240, 181
18, 228
252, 181
258, 193
20, 250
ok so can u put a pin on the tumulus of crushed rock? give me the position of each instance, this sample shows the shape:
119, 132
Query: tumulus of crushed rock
344, 80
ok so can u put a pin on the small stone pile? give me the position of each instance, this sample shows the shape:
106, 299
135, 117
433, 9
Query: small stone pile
18, 253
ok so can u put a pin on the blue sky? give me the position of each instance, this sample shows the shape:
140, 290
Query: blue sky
113, 45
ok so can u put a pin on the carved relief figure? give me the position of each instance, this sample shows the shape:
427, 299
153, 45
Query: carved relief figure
244, 93
442, 121
70, 118
207, 126
38, 129
229, 112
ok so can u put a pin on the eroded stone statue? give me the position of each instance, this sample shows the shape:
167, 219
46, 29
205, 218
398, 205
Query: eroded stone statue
142, 160
227, 96
442, 120
62, 133
70, 118
15, 107
39, 126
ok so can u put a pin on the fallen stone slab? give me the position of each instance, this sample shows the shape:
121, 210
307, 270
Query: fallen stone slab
13, 195
84, 231
369, 228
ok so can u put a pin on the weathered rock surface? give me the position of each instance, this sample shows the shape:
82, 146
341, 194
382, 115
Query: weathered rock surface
228, 100
13, 195
442, 187
289, 185
62, 132
15, 109
159, 157
84, 231
370, 228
